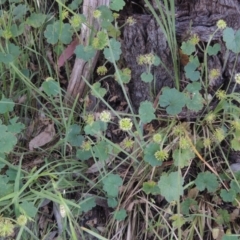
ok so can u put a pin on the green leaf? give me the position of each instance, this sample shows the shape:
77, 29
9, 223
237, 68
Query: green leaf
228, 196
6, 105
117, 5
173, 100
112, 202
235, 186
146, 77
149, 152
13, 50
6, 58
96, 128
28, 208
88, 204
111, 184
51, 87
106, 16
6, 188
235, 144
102, 40
191, 73
83, 155
52, 32
36, 20
120, 215
15, 127
101, 150
213, 50
112, 54
66, 33
151, 187
17, 30
125, 75
188, 48
223, 217
146, 112
19, 11
73, 135
100, 92
195, 103
194, 87
232, 40
206, 180
171, 186
85, 52
75, 4
182, 157
187, 204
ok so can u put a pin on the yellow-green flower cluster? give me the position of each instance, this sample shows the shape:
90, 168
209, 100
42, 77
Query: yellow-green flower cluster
221, 94
221, 24
237, 78
127, 144
76, 21
102, 70
86, 145
194, 40
157, 138
236, 124
161, 155
214, 73
116, 15
210, 118
7, 34
125, 124
22, 220
105, 116
131, 21
89, 119
184, 143
207, 142
219, 135
64, 14
97, 14
146, 59
6, 227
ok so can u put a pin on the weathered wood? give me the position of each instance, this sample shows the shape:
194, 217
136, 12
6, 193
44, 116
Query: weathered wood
82, 69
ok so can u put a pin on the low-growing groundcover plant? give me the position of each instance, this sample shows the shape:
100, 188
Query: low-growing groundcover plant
58, 163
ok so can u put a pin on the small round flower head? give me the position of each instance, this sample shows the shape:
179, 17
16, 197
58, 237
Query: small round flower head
6, 228
131, 21
157, 138
219, 135
236, 124
116, 15
7, 34
178, 130
22, 220
194, 40
89, 119
97, 14
184, 143
214, 73
86, 145
102, 70
237, 78
105, 116
221, 94
161, 155
127, 144
65, 14
210, 118
221, 24
207, 142
146, 59
125, 124
76, 21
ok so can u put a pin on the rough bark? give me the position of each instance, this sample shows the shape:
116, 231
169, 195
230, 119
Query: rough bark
192, 17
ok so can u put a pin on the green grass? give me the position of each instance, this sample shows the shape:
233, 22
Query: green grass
150, 175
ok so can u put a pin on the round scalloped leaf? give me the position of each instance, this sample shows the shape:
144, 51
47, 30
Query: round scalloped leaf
149, 152
85, 52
